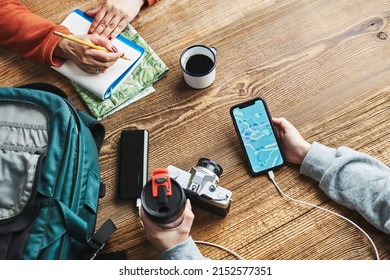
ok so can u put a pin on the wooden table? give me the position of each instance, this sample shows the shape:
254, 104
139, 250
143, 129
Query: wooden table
323, 65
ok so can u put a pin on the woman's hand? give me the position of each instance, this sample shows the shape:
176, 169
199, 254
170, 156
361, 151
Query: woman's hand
113, 16
88, 59
164, 237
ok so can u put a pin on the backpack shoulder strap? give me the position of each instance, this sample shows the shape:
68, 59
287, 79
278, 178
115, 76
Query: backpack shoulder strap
98, 240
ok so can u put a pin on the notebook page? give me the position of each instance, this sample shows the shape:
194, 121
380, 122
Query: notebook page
101, 84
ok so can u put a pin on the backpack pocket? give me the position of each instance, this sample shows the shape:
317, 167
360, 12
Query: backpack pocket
19, 175
23, 145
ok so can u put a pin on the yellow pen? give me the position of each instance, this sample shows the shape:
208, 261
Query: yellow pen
71, 38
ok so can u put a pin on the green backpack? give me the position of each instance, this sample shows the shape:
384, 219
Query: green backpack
49, 176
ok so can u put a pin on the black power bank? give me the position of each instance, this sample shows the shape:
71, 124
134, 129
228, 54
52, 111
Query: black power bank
133, 163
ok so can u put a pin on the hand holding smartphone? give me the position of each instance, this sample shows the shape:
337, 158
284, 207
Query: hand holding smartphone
253, 124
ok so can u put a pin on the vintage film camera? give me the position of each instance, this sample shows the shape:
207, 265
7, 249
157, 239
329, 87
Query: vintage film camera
201, 186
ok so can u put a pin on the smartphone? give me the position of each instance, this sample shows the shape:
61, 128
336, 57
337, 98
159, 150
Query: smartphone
253, 124
133, 163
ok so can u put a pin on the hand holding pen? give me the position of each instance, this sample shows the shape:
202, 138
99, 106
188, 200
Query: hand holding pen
87, 58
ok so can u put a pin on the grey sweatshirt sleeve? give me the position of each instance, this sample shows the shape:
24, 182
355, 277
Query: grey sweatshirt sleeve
187, 250
353, 179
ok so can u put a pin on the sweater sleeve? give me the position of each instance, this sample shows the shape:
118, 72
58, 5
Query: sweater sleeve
28, 34
353, 179
187, 250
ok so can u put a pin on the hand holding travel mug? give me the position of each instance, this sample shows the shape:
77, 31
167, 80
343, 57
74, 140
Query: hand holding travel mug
163, 200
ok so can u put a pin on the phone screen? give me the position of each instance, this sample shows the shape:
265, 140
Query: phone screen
255, 130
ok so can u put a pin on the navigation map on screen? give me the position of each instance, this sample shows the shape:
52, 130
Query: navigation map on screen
258, 137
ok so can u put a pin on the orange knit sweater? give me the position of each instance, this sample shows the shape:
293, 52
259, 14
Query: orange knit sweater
151, 2
30, 35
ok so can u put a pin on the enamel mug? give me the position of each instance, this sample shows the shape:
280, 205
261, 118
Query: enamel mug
198, 63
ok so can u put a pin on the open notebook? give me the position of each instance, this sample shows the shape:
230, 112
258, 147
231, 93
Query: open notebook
102, 85
136, 86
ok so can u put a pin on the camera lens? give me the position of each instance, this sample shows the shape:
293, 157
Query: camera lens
211, 165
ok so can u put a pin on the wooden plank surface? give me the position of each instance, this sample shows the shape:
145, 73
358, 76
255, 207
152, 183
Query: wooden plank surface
323, 65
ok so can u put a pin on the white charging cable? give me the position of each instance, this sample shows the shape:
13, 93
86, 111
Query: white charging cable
199, 242
272, 178
220, 247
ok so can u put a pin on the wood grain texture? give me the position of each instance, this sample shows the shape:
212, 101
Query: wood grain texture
320, 64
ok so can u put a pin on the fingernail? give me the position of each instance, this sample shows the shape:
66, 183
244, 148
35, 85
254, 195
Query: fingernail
122, 54
114, 49
110, 38
89, 32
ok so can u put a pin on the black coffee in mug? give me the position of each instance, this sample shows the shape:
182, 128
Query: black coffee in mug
199, 64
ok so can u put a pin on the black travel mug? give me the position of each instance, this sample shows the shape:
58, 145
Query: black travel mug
162, 198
